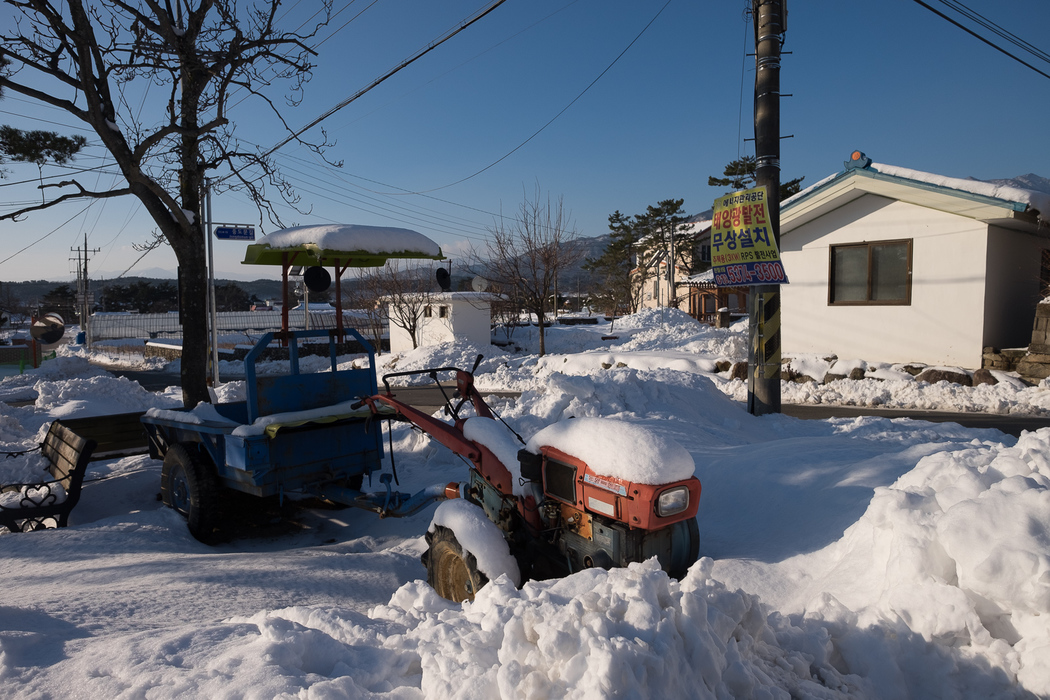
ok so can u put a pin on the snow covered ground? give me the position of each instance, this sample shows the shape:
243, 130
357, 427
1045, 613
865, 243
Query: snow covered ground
862, 557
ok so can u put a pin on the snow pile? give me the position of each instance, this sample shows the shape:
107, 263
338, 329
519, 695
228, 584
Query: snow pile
1002, 398
96, 396
478, 536
617, 449
353, 238
958, 551
862, 558
598, 634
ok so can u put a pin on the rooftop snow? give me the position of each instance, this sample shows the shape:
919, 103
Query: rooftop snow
1039, 201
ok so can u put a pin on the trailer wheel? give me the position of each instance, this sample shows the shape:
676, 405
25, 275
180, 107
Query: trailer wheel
190, 486
452, 573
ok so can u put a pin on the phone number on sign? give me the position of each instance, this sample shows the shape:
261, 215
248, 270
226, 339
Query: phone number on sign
749, 274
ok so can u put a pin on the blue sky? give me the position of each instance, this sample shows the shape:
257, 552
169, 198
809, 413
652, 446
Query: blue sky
889, 78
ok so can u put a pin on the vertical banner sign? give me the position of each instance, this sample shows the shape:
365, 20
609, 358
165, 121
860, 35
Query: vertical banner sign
743, 250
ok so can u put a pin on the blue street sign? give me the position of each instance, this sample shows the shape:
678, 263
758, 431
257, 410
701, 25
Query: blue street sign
228, 233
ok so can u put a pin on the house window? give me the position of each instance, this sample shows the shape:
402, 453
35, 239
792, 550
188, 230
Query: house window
428, 311
870, 273
443, 312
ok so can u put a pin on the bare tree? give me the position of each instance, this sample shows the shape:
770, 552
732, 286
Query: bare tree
406, 288
527, 252
88, 59
366, 297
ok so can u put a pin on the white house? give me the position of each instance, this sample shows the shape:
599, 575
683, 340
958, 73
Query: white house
898, 265
447, 316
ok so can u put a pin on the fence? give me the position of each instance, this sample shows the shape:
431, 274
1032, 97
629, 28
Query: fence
116, 326
22, 355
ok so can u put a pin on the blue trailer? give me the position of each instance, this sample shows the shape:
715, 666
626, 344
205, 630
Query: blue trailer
304, 433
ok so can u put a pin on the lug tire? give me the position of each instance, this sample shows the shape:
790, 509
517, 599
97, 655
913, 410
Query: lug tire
453, 574
190, 486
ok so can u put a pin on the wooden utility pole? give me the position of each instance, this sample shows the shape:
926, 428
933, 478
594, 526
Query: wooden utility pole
763, 389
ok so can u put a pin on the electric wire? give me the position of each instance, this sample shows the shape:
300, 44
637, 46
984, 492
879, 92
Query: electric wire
995, 28
978, 36
404, 64
53, 231
555, 117
462, 63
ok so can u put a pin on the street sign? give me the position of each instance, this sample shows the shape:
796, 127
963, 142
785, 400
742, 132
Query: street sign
230, 233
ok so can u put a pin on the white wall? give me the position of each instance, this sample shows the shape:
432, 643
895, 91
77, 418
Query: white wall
400, 340
469, 320
943, 323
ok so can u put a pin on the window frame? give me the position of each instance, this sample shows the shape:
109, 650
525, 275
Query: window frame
906, 301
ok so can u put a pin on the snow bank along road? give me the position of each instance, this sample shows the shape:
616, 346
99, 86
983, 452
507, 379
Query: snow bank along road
857, 557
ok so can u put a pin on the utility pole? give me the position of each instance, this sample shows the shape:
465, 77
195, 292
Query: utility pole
85, 299
763, 395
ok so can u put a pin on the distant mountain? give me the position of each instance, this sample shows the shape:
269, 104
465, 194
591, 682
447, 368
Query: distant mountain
153, 273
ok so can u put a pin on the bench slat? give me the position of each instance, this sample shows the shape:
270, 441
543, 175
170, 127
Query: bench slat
68, 455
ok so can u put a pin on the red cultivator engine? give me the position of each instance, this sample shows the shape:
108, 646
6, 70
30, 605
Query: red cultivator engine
556, 513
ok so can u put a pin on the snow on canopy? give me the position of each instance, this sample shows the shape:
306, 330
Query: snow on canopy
618, 449
353, 238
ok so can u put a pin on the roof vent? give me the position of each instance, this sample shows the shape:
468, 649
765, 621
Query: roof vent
857, 161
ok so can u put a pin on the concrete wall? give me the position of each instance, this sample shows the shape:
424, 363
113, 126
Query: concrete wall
1013, 287
943, 323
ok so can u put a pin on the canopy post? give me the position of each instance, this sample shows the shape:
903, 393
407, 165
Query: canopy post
284, 298
339, 300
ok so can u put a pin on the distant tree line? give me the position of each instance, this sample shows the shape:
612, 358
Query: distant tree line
144, 297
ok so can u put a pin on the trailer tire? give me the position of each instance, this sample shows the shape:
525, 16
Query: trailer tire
451, 572
190, 486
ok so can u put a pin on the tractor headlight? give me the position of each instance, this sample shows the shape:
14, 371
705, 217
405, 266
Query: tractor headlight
672, 501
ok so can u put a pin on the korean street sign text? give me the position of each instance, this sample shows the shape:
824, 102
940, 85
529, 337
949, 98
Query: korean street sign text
743, 251
230, 233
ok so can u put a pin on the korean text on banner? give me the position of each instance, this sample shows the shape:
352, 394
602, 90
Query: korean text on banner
743, 250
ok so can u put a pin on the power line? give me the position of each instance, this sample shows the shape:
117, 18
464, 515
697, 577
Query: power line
465, 62
552, 119
46, 235
995, 28
404, 64
975, 34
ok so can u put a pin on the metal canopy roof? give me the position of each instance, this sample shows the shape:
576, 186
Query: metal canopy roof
308, 255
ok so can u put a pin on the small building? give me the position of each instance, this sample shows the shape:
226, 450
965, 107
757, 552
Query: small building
444, 317
706, 300
653, 275
899, 265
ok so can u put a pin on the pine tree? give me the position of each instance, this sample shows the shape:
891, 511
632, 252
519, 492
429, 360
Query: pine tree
613, 268
35, 146
740, 174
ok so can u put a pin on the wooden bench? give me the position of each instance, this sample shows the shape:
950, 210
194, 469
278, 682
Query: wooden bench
115, 434
50, 501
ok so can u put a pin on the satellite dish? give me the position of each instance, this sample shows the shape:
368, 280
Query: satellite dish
443, 279
317, 279
48, 329
479, 284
